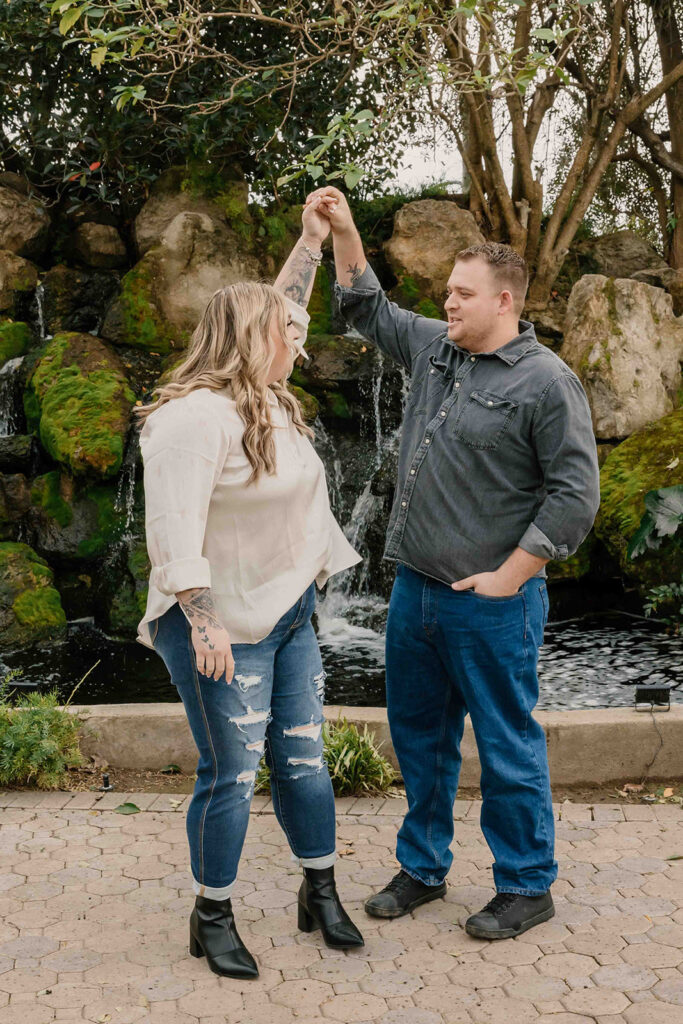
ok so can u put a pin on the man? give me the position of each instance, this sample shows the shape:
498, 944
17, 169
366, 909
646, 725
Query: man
497, 475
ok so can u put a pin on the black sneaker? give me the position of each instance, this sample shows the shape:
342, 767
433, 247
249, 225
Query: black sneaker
509, 914
401, 895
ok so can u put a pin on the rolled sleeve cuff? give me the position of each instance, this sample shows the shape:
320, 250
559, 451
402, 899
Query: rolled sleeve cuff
183, 574
367, 282
301, 319
536, 543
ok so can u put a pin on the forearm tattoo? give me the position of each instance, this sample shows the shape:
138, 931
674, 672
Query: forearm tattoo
300, 275
200, 612
355, 273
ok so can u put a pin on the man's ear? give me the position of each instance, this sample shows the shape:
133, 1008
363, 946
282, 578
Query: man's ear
507, 303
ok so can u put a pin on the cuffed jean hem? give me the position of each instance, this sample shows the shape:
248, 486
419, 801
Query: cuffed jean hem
418, 878
523, 892
212, 892
317, 863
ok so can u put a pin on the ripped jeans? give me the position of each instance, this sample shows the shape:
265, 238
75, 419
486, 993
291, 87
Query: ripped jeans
274, 705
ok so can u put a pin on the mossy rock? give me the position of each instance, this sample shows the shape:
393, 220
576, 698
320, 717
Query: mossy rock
135, 317
79, 401
337, 406
16, 339
310, 407
30, 607
127, 605
633, 468
320, 303
75, 523
577, 566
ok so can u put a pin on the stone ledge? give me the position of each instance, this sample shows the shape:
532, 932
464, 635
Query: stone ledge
595, 746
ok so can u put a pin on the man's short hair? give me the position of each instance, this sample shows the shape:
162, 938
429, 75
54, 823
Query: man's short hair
507, 266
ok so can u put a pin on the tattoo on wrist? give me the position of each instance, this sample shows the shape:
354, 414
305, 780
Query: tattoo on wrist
199, 610
300, 276
355, 273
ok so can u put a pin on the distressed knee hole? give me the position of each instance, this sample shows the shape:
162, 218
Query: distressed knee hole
316, 763
250, 717
257, 745
309, 731
319, 682
248, 779
246, 682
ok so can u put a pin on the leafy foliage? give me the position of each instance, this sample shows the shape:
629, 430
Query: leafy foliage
355, 764
666, 602
662, 518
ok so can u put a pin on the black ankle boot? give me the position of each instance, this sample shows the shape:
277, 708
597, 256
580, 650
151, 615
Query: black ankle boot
213, 933
320, 907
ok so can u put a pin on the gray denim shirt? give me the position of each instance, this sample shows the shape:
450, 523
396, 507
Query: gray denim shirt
497, 448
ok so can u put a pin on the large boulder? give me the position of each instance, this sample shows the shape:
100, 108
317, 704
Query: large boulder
667, 278
75, 299
18, 282
99, 246
30, 607
15, 340
24, 224
164, 296
625, 344
79, 401
72, 522
617, 254
644, 462
15, 499
174, 193
427, 235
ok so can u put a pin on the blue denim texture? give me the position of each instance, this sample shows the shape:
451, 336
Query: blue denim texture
450, 653
274, 700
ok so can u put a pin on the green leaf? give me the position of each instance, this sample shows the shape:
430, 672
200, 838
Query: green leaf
127, 808
666, 508
543, 33
97, 56
353, 176
70, 19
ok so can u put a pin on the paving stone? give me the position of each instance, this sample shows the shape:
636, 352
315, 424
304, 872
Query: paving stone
356, 1006
391, 983
302, 995
413, 1015
670, 990
624, 977
653, 1013
596, 1001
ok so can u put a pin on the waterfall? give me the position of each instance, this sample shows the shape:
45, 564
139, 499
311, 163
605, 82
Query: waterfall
40, 311
11, 407
125, 494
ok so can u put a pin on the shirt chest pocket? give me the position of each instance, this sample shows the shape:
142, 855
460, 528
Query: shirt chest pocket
484, 419
429, 389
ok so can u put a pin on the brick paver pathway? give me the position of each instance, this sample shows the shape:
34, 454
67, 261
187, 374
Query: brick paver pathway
94, 911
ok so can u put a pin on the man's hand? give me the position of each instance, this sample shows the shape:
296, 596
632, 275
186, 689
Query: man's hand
489, 584
334, 205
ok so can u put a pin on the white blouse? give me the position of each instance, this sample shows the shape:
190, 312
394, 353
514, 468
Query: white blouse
257, 547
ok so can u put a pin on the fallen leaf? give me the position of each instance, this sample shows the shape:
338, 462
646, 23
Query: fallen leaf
634, 787
673, 464
668, 791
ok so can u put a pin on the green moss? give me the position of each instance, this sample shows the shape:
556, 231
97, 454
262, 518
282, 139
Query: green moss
320, 304
428, 308
611, 294
142, 326
633, 468
578, 565
228, 192
309, 405
79, 401
409, 289
40, 609
15, 340
47, 494
336, 405
110, 522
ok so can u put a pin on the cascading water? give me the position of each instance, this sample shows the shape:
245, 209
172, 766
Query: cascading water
11, 408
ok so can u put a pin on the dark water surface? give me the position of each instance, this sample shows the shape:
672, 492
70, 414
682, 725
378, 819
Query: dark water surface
588, 663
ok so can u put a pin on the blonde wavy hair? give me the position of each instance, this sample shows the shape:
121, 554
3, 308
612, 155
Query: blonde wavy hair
231, 347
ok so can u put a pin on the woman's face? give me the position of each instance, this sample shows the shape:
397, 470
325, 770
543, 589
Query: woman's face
283, 360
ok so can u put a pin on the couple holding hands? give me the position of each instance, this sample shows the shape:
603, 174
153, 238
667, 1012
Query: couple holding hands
497, 475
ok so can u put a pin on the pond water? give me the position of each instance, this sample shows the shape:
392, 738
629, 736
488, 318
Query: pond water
587, 663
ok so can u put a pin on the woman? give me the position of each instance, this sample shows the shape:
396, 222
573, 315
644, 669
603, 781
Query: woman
239, 531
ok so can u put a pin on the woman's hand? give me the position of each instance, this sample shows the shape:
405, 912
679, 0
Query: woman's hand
316, 224
210, 638
334, 205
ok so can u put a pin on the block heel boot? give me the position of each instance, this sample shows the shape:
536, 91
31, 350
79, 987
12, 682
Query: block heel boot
320, 907
213, 934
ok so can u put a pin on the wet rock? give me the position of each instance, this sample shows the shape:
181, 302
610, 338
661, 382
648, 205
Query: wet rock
24, 224
18, 281
72, 523
76, 299
16, 453
625, 344
99, 246
15, 498
644, 462
30, 607
16, 338
79, 401
427, 235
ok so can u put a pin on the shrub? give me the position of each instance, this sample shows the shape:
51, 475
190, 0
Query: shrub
355, 764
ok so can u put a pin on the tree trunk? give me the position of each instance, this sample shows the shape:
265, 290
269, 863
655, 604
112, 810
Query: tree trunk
671, 54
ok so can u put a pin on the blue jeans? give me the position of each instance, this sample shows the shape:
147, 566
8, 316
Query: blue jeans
449, 653
274, 705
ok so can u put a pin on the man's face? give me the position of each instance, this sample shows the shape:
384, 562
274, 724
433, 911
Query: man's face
474, 302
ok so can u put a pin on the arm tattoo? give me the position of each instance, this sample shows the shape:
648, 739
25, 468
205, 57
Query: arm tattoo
199, 610
355, 273
299, 279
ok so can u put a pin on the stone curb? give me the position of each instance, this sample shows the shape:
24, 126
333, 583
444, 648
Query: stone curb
596, 746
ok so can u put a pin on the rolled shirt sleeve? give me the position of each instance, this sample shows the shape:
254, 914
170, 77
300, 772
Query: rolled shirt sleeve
565, 446
301, 319
397, 332
184, 450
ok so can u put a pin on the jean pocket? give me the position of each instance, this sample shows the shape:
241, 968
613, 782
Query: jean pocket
493, 599
153, 626
484, 419
543, 590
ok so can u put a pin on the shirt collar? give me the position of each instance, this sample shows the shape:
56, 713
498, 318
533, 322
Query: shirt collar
512, 350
